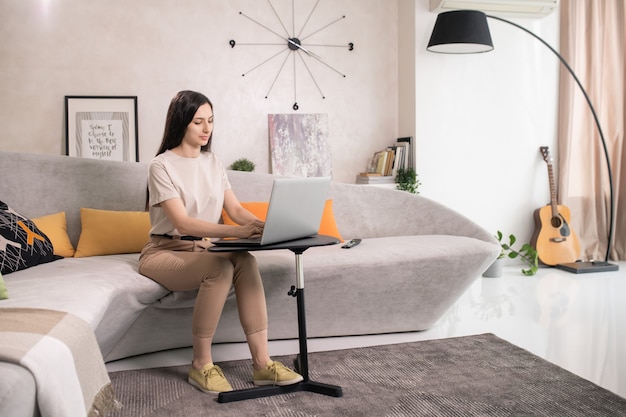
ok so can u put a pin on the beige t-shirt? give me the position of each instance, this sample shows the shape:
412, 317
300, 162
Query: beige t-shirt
199, 182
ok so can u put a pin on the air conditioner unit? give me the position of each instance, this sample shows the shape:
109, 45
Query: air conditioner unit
510, 8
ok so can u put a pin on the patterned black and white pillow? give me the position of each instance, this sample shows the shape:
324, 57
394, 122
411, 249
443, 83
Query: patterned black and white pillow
22, 244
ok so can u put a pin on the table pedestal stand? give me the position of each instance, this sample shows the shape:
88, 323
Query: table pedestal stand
302, 362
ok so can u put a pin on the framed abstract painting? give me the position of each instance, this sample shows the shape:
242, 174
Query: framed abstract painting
299, 145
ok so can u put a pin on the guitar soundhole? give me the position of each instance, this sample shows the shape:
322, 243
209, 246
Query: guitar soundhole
559, 223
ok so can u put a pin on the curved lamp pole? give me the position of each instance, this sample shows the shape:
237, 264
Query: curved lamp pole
467, 32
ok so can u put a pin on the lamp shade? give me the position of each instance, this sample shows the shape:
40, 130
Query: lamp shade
461, 32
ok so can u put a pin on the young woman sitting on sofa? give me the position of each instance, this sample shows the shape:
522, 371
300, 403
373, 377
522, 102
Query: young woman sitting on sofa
187, 190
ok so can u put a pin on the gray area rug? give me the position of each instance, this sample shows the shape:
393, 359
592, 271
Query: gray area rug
465, 376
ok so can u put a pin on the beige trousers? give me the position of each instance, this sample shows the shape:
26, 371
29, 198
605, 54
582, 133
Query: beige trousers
181, 265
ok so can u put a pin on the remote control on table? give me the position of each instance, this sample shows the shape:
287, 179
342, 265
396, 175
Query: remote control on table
351, 243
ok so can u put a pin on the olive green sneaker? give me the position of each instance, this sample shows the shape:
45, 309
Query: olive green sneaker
209, 379
275, 373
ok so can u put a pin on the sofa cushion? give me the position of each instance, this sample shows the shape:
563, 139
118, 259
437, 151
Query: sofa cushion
106, 291
109, 232
22, 244
55, 227
328, 226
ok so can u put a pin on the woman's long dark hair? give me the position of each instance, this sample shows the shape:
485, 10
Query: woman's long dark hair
180, 113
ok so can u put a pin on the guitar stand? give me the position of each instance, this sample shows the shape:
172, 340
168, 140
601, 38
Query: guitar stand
301, 363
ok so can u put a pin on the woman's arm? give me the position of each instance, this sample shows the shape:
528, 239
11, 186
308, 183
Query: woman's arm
175, 211
235, 210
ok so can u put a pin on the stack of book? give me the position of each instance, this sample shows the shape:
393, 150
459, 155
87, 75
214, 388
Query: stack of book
406, 144
373, 178
385, 163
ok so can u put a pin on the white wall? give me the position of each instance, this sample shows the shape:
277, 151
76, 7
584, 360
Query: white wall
154, 48
480, 120
406, 67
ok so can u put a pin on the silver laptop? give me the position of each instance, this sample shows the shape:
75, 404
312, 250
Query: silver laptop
295, 211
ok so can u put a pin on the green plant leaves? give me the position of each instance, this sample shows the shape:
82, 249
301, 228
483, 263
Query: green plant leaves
407, 180
526, 253
242, 164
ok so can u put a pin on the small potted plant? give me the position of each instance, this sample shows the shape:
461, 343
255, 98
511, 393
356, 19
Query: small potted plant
526, 253
407, 180
242, 164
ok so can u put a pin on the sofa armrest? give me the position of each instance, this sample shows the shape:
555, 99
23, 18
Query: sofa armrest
366, 211
18, 391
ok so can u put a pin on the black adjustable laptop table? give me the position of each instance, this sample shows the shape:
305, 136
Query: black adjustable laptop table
297, 247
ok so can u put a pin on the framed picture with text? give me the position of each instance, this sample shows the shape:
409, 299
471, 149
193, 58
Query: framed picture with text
101, 127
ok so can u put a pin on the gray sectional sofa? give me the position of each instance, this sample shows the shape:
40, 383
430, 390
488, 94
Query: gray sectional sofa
416, 258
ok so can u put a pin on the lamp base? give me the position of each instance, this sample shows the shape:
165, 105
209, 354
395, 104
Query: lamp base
588, 267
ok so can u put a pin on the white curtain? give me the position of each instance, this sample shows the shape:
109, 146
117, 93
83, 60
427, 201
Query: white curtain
593, 42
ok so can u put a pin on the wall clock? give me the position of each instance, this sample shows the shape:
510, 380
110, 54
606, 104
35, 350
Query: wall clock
299, 47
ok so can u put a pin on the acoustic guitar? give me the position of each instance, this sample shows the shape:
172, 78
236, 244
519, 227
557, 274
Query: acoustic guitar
553, 238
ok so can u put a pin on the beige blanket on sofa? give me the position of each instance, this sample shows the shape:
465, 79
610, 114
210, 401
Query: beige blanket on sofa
61, 352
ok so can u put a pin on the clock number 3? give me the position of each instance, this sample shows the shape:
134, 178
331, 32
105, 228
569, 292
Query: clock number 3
295, 46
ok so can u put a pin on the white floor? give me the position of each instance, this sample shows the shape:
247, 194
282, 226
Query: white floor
575, 321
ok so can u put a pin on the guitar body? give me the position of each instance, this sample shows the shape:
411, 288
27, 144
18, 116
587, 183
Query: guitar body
553, 239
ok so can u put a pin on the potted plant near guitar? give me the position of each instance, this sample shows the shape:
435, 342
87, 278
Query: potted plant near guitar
526, 253
553, 241
553, 238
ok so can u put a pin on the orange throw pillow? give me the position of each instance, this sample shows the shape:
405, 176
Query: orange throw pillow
109, 232
55, 227
328, 226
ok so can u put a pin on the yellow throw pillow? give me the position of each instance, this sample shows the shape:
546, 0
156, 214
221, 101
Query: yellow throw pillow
55, 227
328, 226
106, 232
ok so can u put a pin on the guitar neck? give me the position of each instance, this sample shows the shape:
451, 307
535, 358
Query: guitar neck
553, 201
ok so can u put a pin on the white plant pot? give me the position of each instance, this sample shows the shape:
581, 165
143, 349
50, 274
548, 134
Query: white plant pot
495, 269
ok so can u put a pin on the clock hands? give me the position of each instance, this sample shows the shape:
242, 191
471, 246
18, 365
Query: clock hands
294, 44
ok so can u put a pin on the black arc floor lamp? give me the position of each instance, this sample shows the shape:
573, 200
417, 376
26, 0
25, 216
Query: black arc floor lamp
467, 32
